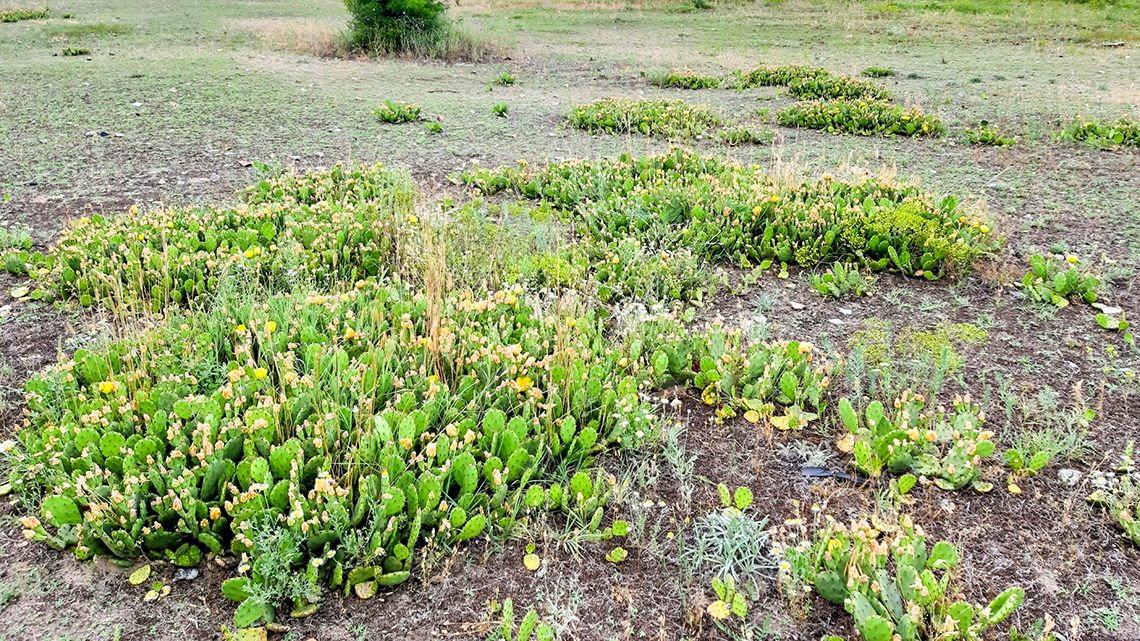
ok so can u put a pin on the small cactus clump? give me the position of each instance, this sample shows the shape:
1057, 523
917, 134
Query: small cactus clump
893, 586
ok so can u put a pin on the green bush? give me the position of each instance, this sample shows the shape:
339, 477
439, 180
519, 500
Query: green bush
894, 584
1051, 282
395, 25
861, 117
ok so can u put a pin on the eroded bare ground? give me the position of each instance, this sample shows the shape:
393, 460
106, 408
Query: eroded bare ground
1075, 567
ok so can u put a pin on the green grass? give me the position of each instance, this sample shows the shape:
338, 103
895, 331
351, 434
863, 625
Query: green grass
93, 30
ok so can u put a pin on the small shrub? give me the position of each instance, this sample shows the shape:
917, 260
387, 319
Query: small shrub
18, 15
742, 134
775, 76
878, 72
500, 109
1050, 282
987, 134
888, 579
683, 80
656, 118
1104, 135
396, 112
840, 281
861, 117
395, 25
827, 87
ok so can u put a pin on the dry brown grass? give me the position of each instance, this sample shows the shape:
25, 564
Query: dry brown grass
325, 38
322, 38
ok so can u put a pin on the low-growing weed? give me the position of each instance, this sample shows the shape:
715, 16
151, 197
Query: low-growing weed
15, 238
505, 79
1118, 491
76, 51
527, 629
730, 543
862, 117
746, 135
500, 109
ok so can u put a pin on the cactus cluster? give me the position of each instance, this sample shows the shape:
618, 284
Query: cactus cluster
1052, 282
529, 628
946, 447
782, 382
359, 424
732, 214
828, 87
891, 583
337, 225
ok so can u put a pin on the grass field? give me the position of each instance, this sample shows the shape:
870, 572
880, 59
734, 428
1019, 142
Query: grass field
130, 110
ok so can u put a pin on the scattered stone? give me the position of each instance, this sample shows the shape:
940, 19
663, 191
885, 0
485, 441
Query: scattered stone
1069, 477
844, 311
185, 574
796, 305
836, 321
